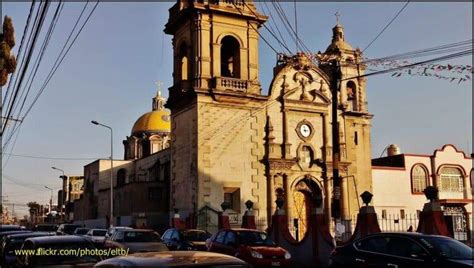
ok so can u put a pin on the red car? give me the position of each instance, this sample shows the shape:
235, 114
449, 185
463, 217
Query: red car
252, 246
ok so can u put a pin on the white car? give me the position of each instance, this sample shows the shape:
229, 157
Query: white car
97, 235
112, 230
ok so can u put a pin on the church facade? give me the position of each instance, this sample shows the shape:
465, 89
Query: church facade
232, 143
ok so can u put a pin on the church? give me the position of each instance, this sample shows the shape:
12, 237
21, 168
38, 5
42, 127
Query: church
232, 143
222, 141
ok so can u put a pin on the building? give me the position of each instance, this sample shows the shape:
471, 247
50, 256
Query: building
140, 181
400, 178
232, 143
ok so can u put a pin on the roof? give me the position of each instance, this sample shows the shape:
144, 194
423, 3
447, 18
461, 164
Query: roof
173, 259
60, 239
153, 122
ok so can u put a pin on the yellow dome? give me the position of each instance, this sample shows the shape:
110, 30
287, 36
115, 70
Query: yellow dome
153, 122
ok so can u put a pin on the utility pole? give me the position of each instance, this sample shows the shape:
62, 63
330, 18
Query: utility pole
336, 199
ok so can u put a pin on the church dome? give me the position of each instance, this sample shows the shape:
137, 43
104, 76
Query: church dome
154, 122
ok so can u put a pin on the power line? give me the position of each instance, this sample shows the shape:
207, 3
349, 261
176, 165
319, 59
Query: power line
386, 26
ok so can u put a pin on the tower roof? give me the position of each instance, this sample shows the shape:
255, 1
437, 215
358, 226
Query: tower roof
338, 42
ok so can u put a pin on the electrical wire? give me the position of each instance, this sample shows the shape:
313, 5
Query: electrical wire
386, 26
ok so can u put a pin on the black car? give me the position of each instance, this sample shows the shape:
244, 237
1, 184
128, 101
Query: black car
45, 227
7, 227
13, 242
58, 251
400, 250
67, 229
135, 240
191, 239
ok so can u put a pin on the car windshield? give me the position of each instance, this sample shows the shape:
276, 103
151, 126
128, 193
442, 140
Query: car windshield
255, 239
195, 235
140, 237
81, 231
69, 229
448, 248
99, 232
46, 228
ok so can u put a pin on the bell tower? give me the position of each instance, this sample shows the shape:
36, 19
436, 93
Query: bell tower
215, 45
354, 119
215, 81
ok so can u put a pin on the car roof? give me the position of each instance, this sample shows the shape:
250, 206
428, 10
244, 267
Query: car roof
408, 234
174, 258
98, 230
57, 239
139, 230
26, 235
5, 233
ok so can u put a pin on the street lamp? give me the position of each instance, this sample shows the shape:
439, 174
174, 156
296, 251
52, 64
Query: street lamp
51, 199
67, 183
111, 171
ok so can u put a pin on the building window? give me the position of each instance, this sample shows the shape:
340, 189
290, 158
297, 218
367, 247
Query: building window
121, 175
183, 62
451, 180
166, 169
230, 57
419, 177
232, 197
384, 214
356, 138
351, 95
402, 214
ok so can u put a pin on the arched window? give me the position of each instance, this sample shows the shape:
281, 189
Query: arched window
351, 91
121, 176
419, 178
307, 156
183, 62
230, 57
451, 180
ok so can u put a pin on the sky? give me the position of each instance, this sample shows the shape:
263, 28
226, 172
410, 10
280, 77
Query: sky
110, 73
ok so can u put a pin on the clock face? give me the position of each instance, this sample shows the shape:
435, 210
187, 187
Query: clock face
305, 130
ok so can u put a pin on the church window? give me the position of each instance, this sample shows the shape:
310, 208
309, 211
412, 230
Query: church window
121, 175
307, 156
419, 178
451, 180
232, 197
230, 57
402, 214
356, 138
384, 214
183, 62
351, 91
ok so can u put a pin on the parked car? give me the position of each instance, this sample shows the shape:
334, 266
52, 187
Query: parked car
97, 235
8, 227
5, 233
67, 243
252, 246
136, 240
403, 250
67, 229
184, 259
45, 227
192, 239
14, 242
81, 231
112, 230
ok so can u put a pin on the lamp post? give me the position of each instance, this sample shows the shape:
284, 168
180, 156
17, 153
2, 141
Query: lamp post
67, 183
111, 171
51, 199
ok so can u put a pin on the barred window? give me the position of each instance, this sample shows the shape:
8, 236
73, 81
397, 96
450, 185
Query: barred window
419, 177
451, 180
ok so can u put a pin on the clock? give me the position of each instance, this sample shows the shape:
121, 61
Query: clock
305, 130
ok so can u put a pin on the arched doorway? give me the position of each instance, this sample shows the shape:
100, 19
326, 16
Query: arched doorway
307, 195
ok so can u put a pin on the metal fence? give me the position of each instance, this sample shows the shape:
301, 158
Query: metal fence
387, 223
